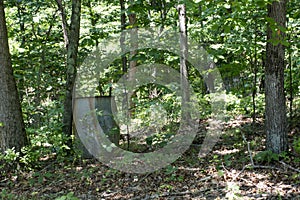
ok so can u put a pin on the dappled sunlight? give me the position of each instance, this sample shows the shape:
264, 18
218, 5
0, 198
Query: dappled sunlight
226, 151
149, 100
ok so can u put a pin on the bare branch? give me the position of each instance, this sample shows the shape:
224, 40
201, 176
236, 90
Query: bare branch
289, 167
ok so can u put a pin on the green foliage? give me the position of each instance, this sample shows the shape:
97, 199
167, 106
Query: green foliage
11, 155
153, 102
239, 105
31, 157
170, 171
6, 195
161, 139
8, 160
296, 178
233, 33
266, 157
204, 106
69, 196
296, 145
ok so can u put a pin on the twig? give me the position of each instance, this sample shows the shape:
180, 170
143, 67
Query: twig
290, 167
264, 167
236, 176
204, 179
47, 166
249, 150
108, 194
190, 169
5, 179
251, 159
142, 179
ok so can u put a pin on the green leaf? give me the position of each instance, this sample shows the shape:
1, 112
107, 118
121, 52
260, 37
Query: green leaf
227, 29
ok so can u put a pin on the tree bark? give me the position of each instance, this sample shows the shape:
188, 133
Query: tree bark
133, 41
183, 62
12, 129
275, 124
122, 39
125, 105
71, 37
133, 52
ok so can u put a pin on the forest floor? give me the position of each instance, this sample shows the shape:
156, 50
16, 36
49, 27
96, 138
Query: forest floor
226, 173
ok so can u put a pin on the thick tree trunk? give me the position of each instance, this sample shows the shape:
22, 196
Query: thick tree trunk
276, 125
12, 129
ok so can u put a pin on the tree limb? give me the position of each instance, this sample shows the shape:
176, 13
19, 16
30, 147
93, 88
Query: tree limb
65, 26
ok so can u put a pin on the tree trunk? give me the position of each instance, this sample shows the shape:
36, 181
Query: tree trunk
12, 129
255, 71
276, 125
122, 39
71, 36
183, 62
134, 46
125, 105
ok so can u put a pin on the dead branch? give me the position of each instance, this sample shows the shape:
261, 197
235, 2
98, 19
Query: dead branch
289, 166
252, 165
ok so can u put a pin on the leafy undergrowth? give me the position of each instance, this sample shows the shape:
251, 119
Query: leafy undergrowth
236, 168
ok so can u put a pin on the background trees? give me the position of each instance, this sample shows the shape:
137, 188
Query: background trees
235, 34
254, 44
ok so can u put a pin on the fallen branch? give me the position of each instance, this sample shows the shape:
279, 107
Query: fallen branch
236, 176
204, 179
249, 150
144, 177
263, 167
289, 166
252, 165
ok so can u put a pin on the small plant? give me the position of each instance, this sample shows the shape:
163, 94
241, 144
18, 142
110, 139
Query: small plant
285, 156
8, 160
166, 187
296, 178
69, 196
296, 145
159, 140
6, 195
266, 156
170, 169
172, 176
11, 155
